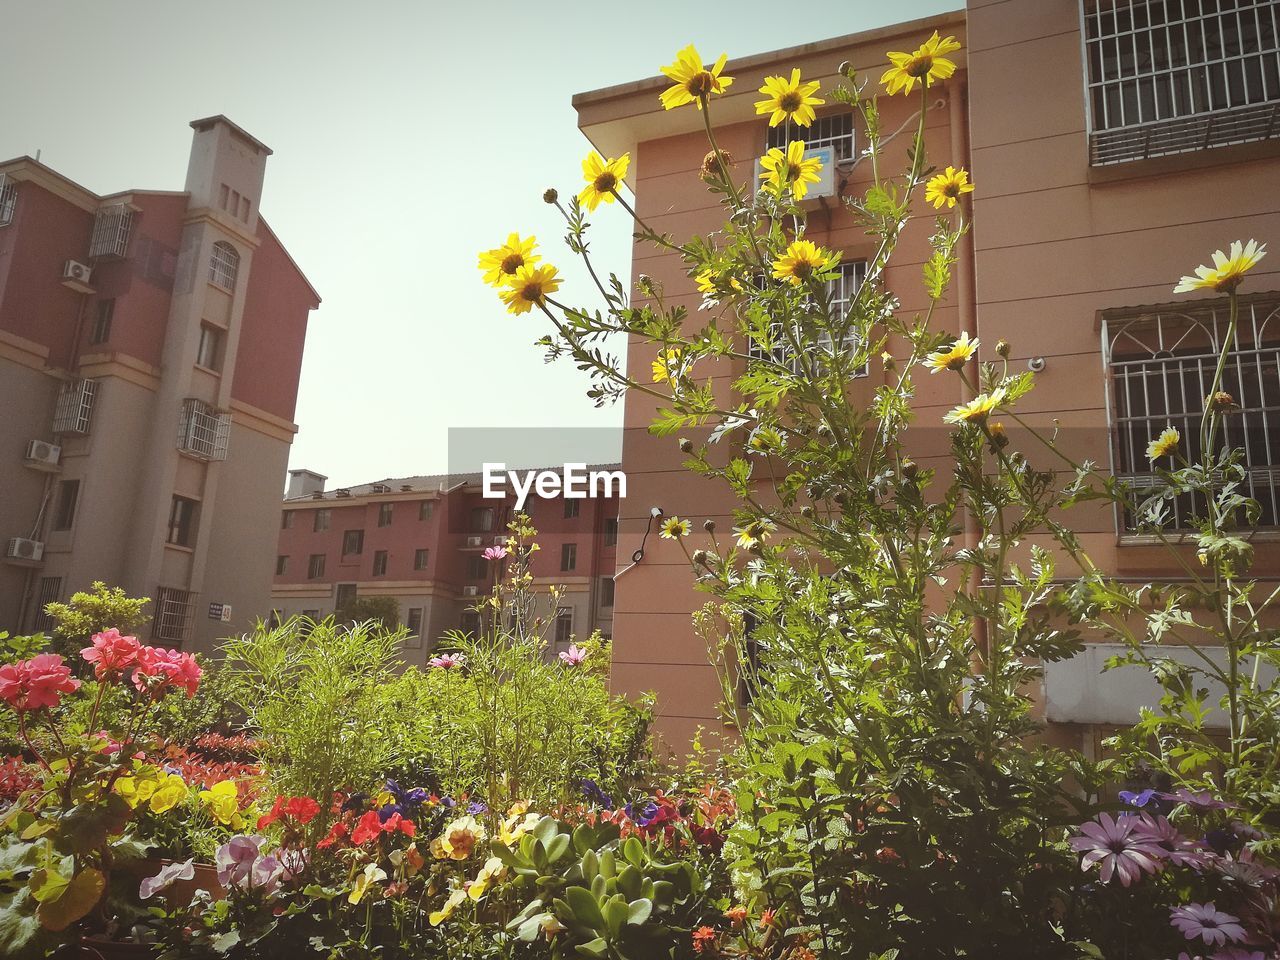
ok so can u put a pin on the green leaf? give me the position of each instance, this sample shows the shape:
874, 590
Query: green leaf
639, 911
615, 915
80, 896
584, 906
595, 948
558, 847
48, 885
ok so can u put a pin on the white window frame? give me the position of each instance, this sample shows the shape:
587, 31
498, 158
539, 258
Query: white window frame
74, 410
837, 131
175, 612
224, 265
8, 199
852, 274
204, 431
112, 225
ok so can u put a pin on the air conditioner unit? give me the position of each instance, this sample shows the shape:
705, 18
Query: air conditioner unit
470, 590
501, 540
475, 541
826, 185
21, 548
43, 455
77, 276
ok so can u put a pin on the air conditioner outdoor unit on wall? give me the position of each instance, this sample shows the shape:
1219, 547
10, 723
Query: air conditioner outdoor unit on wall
470, 590
475, 541
826, 185
43, 455
501, 540
77, 275
21, 548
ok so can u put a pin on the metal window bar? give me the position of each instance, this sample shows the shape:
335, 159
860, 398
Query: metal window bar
1172, 76
836, 131
842, 290
203, 431
1161, 366
111, 227
175, 610
74, 409
224, 265
8, 199
50, 592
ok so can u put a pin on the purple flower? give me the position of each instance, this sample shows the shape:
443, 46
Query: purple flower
1179, 850
1137, 799
1237, 953
167, 875
235, 859
494, 553
1113, 845
475, 808
1200, 801
1244, 869
573, 656
592, 791
1207, 922
267, 873
447, 661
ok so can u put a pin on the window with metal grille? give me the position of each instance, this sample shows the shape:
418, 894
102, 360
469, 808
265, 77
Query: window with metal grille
482, 519
101, 331
75, 406
315, 566
50, 591
836, 132
352, 542
320, 521
175, 609
413, 623
224, 265
477, 568
842, 290
1172, 76
426, 509
1161, 365
203, 431
564, 625
384, 514
286, 519
572, 507
380, 563
111, 227
8, 199
568, 557
420, 557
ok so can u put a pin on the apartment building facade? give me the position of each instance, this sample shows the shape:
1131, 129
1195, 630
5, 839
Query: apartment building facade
150, 349
1114, 146
421, 540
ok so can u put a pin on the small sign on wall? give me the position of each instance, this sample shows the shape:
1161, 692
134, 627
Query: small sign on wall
220, 611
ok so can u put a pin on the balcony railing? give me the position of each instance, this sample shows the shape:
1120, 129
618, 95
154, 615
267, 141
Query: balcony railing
75, 407
203, 431
8, 199
111, 227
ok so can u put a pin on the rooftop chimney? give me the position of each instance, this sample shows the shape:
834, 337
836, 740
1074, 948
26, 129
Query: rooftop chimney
303, 483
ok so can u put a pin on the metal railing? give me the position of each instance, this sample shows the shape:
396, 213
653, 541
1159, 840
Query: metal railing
842, 290
203, 431
8, 199
837, 132
111, 227
175, 611
74, 410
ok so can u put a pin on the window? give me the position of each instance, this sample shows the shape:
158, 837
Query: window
420, 558
344, 594
50, 591
477, 567
413, 622
209, 352
482, 519
181, 514
611, 532
65, 511
426, 509
315, 566
836, 132
111, 225
282, 565
1171, 76
8, 200
224, 264
75, 406
384, 514
203, 431
572, 508
1161, 365
379, 563
101, 331
470, 622
352, 543
174, 610
564, 625
286, 519
606, 592
320, 521
568, 556
842, 291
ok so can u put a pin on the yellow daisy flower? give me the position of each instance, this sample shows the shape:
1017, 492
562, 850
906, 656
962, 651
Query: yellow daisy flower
755, 532
501, 264
946, 187
694, 82
456, 899
603, 178
1164, 444
662, 364
802, 260
978, 409
790, 170
673, 528
529, 288
170, 792
789, 99
955, 356
1228, 268
925, 64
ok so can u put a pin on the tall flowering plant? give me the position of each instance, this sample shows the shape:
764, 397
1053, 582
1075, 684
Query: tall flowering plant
62, 836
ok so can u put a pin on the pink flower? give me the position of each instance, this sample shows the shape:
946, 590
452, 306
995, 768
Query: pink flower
36, 683
1114, 846
111, 653
159, 668
447, 661
573, 656
495, 553
1178, 850
1207, 922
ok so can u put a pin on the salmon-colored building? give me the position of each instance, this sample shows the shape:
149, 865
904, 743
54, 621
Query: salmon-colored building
150, 348
421, 541
1114, 146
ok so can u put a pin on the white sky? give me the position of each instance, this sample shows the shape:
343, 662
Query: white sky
407, 136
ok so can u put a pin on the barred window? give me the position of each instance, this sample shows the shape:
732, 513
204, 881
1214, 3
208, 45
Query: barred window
8, 199
836, 132
203, 431
384, 514
111, 226
1172, 76
380, 563
175, 609
50, 591
564, 626
413, 623
352, 543
224, 264
315, 566
1161, 365
842, 290
75, 406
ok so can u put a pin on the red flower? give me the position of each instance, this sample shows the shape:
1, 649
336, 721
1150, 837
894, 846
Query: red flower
704, 938
158, 669
337, 832
111, 653
36, 683
396, 822
300, 810
368, 828
766, 919
736, 915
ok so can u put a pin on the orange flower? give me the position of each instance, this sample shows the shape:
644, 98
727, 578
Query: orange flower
736, 915
704, 938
